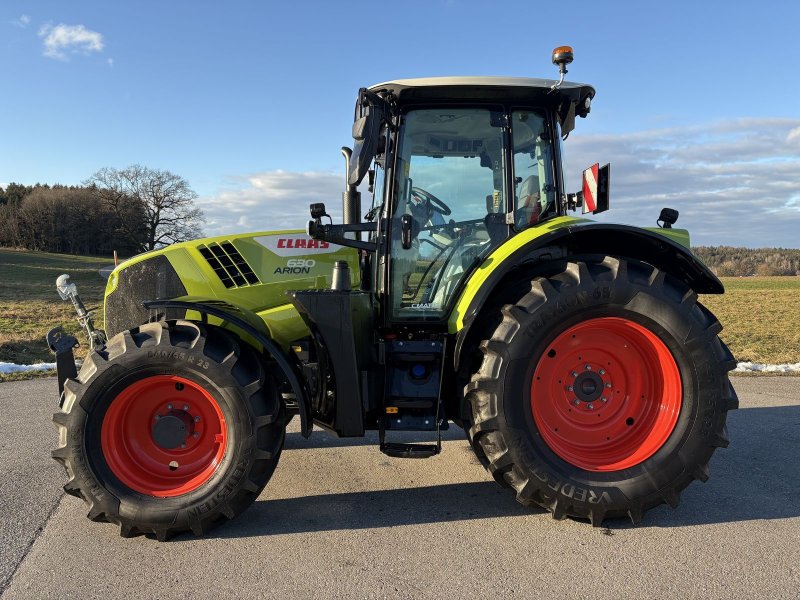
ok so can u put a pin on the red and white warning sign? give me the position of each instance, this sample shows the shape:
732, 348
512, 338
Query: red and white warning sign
590, 176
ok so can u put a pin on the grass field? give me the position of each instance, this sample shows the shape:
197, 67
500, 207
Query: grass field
760, 314
761, 318
30, 306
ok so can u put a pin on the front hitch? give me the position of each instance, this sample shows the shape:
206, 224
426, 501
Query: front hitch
63, 344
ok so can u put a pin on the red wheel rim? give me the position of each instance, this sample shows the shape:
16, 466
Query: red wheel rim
163, 436
606, 394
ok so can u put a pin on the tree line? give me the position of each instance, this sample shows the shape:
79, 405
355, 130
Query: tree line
130, 210
728, 261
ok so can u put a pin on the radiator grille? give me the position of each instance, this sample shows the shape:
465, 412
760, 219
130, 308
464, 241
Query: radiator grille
231, 268
151, 279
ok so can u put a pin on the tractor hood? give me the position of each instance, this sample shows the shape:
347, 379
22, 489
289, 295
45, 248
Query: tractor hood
251, 270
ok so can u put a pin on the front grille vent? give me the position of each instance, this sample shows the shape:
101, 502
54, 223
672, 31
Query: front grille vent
231, 268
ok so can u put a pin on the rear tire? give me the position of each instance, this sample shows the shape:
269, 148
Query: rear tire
556, 437
219, 438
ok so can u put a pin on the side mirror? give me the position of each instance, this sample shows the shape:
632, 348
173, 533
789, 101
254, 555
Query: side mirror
596, 187
366, 131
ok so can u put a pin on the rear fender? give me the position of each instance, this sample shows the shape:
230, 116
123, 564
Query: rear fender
248, 323
667, 250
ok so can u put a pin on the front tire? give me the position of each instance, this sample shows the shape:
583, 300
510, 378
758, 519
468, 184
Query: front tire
603, 392
174, 426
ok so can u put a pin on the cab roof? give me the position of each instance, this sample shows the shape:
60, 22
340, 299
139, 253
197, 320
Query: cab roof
569, 100
505, 89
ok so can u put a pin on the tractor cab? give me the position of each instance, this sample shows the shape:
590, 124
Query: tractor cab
465, 174
457, 165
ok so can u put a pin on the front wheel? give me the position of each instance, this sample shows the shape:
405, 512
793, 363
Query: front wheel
173, 427
603, 392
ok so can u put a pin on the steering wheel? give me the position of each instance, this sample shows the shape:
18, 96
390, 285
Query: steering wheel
435, 203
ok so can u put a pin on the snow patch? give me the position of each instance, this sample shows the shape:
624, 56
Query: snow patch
6, 368
744, 367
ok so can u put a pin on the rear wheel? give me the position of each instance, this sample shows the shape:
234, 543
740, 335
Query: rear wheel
603, 392
173, 427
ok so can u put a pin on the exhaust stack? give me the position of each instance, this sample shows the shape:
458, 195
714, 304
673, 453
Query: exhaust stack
351, 197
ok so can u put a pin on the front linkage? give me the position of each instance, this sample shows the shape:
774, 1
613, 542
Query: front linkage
62, 344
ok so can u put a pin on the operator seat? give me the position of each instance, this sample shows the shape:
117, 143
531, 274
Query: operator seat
530, 205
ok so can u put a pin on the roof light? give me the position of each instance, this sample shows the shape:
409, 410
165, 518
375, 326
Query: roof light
562, 56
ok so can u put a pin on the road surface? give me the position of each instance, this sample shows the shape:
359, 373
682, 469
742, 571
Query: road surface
341, 520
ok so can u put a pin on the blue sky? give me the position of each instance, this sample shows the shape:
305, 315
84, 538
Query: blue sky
697, 106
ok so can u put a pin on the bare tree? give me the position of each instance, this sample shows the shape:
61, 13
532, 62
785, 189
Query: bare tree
154, 207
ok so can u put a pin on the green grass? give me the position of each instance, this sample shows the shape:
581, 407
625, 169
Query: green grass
30, 306
760, 315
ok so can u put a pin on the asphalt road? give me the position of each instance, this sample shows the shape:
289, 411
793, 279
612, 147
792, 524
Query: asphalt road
339, 519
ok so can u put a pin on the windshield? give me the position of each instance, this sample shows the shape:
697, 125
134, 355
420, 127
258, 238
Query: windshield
449, 178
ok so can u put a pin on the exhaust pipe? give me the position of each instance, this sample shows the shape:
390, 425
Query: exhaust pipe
351, 197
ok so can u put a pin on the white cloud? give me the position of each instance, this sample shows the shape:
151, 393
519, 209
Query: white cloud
62, 40
271, 200
23, 21
734, 182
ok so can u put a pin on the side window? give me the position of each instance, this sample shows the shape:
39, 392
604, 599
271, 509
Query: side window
534, 189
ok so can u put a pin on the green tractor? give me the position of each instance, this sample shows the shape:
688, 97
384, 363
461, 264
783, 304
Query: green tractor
575, 355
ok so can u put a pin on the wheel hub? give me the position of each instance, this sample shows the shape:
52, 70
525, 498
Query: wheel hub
172, 430
588, 386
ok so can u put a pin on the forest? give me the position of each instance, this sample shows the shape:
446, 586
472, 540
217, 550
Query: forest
129, 210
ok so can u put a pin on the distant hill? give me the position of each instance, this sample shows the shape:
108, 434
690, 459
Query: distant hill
727, 261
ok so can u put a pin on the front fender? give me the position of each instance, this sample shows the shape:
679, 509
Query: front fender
247, 322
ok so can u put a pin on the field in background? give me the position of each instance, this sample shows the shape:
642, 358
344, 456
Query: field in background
761, 318
761, 315
30, 306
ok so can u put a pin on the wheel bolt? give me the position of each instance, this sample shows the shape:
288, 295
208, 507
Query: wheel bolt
602, 371
603, 399
569, 388
588, 367
197, 419
183, 445
169, 406
186, 407
608, 385
574, 374
196, 434
576, 402
590, 407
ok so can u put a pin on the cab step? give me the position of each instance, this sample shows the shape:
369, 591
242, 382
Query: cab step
396, 450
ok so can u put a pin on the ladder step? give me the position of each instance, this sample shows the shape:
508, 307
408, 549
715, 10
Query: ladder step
411, 403
410, 450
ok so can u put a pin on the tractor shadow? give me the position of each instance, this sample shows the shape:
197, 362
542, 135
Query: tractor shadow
375, 509
757, 478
